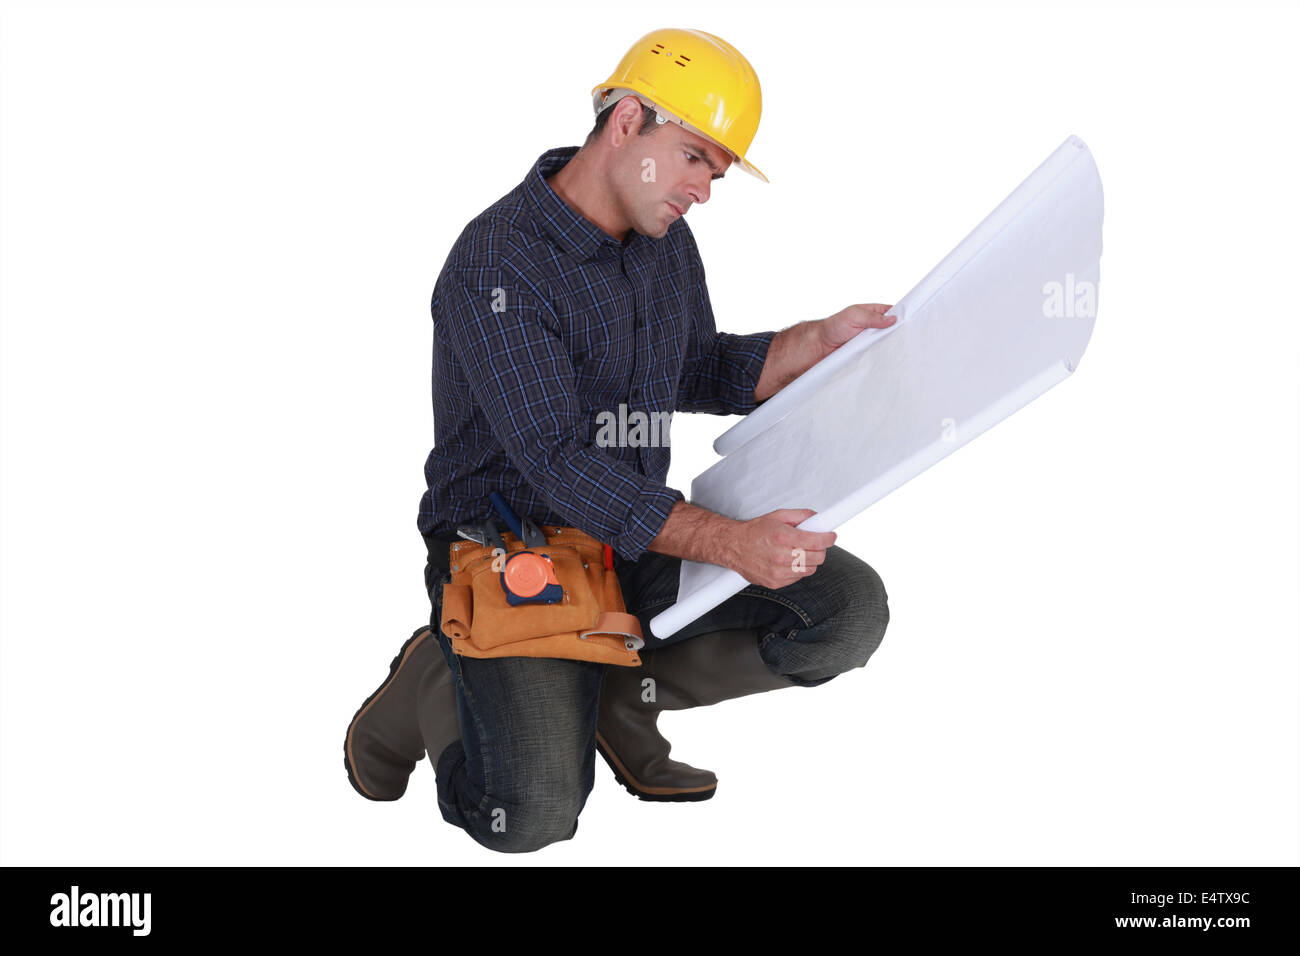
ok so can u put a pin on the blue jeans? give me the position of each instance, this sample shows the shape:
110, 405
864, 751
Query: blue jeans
520, 774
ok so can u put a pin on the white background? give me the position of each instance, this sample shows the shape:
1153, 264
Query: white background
221, 228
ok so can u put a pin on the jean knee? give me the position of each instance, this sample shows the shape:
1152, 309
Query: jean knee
526, 827
870, 621
861, 609
861, 620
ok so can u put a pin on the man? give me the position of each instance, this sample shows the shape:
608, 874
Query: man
581, 292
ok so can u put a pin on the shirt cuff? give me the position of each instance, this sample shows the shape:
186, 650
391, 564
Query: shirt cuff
645, 519
743, 358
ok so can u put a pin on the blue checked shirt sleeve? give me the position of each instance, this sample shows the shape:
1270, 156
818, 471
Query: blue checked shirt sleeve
525, 384
721, 369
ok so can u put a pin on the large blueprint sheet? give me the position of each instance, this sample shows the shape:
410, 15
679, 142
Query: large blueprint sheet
1004, 317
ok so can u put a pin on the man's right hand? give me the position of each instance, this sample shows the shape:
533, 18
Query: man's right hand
771, 552
768, 550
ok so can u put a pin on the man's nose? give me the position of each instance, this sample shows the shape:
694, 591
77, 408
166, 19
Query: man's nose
698, 189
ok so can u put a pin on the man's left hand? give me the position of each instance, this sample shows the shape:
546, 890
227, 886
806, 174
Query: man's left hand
845, 324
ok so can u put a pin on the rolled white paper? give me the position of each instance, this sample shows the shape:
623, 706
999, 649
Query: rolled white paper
1003, 317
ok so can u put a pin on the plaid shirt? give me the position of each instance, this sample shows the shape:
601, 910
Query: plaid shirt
541, 321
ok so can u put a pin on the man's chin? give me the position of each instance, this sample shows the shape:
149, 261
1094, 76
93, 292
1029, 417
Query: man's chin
656, 228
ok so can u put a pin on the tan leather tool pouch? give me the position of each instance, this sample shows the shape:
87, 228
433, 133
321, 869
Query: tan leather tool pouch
591, 623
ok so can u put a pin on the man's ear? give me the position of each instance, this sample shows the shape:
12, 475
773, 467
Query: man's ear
627, 117
625, 121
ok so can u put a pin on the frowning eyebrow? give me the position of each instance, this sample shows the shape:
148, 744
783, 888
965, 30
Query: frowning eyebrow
701, 154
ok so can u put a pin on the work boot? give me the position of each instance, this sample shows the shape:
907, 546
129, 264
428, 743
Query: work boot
693, 673
412, 713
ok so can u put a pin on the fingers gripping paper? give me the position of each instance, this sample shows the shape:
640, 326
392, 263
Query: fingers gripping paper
1004, 317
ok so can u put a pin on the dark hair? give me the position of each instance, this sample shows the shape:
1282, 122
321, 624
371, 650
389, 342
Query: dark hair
648, 124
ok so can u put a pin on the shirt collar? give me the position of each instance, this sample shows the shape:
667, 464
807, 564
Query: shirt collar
562, 222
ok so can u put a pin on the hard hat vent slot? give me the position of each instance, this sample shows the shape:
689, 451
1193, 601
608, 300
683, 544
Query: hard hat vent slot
660, 50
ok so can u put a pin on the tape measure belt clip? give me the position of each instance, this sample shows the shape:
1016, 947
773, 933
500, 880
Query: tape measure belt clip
529, 577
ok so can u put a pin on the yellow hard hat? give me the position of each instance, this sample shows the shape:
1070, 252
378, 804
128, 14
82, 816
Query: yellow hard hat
697, 80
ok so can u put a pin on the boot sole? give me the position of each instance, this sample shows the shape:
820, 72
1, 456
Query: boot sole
642, 792
408, 648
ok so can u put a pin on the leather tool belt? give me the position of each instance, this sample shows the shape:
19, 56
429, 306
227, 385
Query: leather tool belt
589, 622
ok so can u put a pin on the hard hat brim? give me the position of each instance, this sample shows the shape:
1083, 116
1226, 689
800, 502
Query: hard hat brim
599, 103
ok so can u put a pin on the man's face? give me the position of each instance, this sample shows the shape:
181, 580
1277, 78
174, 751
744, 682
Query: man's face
665, 173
